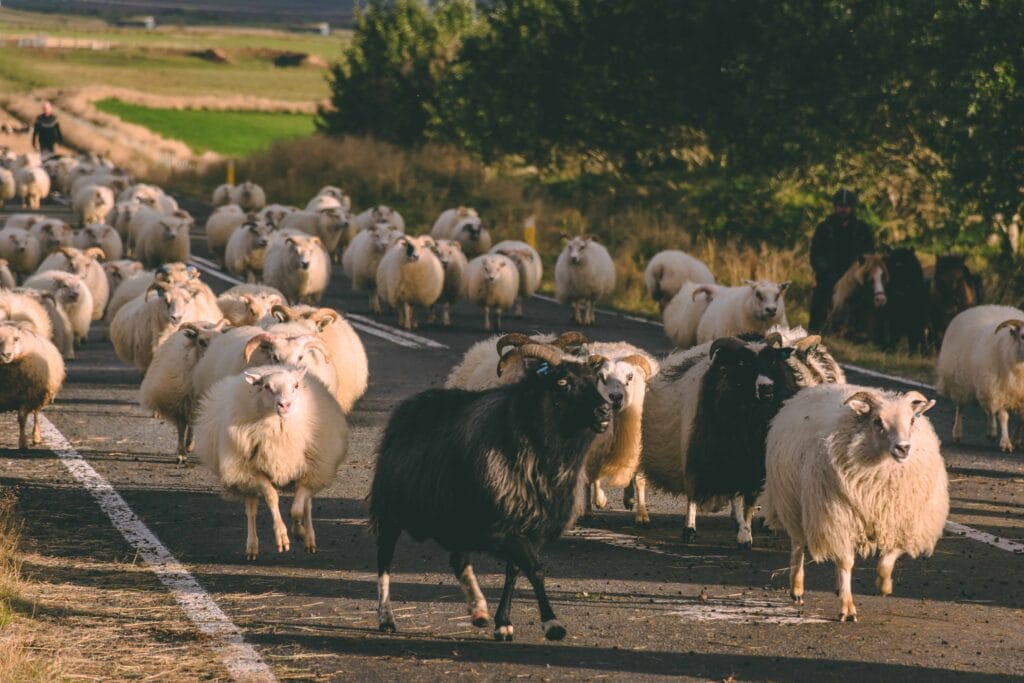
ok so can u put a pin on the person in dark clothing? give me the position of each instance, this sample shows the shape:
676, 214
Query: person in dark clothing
838, 241
46, 131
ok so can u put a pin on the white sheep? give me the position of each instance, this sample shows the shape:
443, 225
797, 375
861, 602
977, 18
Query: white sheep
136, 285
249, 196
853, 470
52, 234
463, 225
372, 216
73, 296
330, 224
146, 321
222, 195
164, 240
167, 387
20, 249
247, 249
362, 258
31, 374
8, 187
268, 428
331, 192
33, 186
121, 218
248, 304
669, 270
85, 263
531, 269
20, 307
275, 213
750, 307
63, 335
410, 275
143, 218
982, 361
344, 347
492, 282
298, 265
91, 204
25, 221
584, 274
454, 262
117, 272
681, 317
219, 227
103, 236
7, 280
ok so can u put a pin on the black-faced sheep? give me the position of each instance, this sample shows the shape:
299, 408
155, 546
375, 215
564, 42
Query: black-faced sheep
463, 226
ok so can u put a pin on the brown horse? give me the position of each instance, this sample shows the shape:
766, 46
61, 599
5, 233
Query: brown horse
953, 288
857, 299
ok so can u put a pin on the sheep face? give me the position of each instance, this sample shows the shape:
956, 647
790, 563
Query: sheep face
260, 233
54, 234
201, 334
175, 273
95, 233
384, 235
755, 369
766, 301
118, 272
415, 246
273, 216
68, 290
577, 247
10, 342
494, 267
623, 382
18, 240
260, 305
171, 230
445, 251
886, 421
303, 250
269, 349
177, 302
573, 389
1015, 329
468, 224
276, 392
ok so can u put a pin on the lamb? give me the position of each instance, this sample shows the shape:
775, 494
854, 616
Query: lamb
92, 203
463, 225
362, 259
497, 471
7, 280
344, 347
751, 307
584, 273
454, 263
248, 304
146, 321
20, 249
681, 316
329, 224
222, 195
21, 307
85, 264
249, 196
669, 270
531, 269
72, 295
853, 470
373, 216
52, 234
167, 387
164, 241
103, 236
706, 415
982, 361
410, 275
298, 265
8, 187
269, 428
493, 281
219, 228
33, 186
247, 249
31, 373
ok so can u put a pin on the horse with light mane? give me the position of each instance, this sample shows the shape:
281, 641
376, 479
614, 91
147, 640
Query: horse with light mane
857, 299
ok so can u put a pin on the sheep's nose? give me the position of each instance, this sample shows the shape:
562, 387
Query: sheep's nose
175, 318
261, 242
770, 311
284, 406
880, 300
901, 450
72, 296
304, 265
616, 399
574, 259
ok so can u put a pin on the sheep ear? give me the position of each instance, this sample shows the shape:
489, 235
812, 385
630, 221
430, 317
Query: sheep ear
751, 283
919, 403
253, 378
324, 320
96, 253
291, 241
190, 330
301, 372
784, 285
862, 402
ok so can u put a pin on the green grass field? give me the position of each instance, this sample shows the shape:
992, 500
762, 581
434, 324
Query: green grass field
233, 133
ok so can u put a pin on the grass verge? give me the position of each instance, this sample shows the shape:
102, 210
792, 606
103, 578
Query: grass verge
899, 362
233, 133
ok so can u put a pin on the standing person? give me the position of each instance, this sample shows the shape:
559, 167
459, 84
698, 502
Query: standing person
46, 131
838, 241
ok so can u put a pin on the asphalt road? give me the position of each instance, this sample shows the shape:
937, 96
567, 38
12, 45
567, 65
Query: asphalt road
638, 603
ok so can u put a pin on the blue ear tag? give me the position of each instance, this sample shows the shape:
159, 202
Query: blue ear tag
543, 368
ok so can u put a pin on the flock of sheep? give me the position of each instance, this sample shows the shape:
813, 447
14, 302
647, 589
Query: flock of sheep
527, 431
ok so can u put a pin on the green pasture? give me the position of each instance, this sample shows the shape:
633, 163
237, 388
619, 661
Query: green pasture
233, 133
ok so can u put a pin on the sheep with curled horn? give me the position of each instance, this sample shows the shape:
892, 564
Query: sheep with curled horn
481, 366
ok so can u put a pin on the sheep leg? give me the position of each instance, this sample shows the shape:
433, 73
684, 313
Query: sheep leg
406, 315
22, 425
642, 518
525, 555
993, 426
375, 304
431, 315
272, 499
37, 435
576, 313
387, 537
885, 564
190, 438
302, 517
796, 572
182, 441
958, 424
252, 541
487, 318
844, 575
503, 617
1005, 444
744, 515
446, 315
690, 532
475, 600
519, 307
600, 499
497, 318
590, 312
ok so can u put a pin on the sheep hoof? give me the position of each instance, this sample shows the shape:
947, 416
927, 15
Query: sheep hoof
503, 634
553, 630
797, 599
645, 522
744, 545
479, 618
251, 555
311, 548
1006, 446
387, 626
689, 533
182, 458
844, 617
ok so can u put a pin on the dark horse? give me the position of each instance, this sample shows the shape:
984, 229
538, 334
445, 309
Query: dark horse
906, 312
952, 289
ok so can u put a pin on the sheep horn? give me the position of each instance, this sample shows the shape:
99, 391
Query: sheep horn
281, 312
596, 361
254, 343
703, 289
865, 396
96, 253
544, 352
324, 318
317, 344
515, 339
569, 339
774, 339
156, 286
808, 342
1010, 323
641, 362
189, 327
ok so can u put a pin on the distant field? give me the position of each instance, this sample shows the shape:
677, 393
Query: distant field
233, 133
159, 61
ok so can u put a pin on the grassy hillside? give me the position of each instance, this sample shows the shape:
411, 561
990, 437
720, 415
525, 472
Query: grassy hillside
235, 133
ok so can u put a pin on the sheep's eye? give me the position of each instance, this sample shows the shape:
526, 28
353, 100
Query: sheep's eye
563, 382
202, 342
760, 296
296, 386
629, 377
879, 424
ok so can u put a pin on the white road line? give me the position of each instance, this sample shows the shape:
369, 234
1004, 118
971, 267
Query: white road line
383, 334
891, 378
987, 538
240, 658
423, 341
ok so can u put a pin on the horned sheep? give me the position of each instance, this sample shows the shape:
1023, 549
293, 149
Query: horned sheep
492, 282
298, 266
268, 428
982, 361
410, 275
31, 373
669, 270
248, 304
584, 274
853, 470
21, 307
143, 323
750, 307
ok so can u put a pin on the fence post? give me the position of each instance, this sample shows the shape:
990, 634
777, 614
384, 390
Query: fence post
231, 172
530, 232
